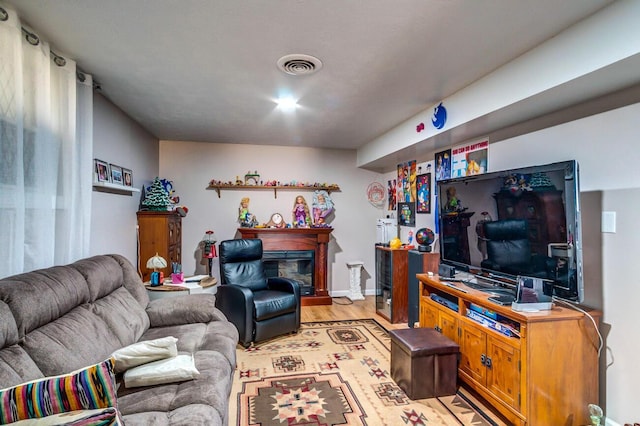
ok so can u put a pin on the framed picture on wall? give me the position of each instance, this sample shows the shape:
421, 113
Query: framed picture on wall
127, 177
423, 185
116, 174
406, 214
101, 171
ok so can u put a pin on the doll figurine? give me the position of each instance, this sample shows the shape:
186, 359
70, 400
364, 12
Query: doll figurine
322, 207
243, 211
301, 215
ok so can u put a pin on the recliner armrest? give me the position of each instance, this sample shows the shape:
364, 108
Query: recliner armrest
187, 309
284, 284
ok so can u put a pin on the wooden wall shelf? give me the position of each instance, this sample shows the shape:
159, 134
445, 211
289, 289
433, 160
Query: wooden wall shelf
329, 189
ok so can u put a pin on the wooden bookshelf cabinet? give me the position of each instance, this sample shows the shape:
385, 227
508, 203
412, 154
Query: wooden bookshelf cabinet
546, 376
159, 232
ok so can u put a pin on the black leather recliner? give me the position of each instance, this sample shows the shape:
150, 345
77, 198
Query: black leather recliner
509, 250
259, 307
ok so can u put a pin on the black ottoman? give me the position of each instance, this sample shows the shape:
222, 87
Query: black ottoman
424, 363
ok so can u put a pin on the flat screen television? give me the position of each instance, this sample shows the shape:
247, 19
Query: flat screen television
520, 222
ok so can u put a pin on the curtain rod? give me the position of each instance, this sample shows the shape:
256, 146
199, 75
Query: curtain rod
60, 61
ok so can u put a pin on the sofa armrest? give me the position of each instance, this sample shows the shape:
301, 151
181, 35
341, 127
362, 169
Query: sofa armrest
186, 309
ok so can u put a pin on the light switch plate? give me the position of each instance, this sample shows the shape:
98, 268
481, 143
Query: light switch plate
609, 222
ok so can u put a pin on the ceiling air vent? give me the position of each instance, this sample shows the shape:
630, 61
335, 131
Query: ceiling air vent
298, 64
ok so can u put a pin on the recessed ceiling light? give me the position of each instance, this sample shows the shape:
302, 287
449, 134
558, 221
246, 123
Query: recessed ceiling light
287, 103
299, 64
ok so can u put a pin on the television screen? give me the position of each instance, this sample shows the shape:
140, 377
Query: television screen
520, 222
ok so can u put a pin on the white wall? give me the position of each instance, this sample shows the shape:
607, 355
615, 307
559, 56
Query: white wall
119, 140
191, 165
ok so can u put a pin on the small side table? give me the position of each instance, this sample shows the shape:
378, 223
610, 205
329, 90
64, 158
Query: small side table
205, 286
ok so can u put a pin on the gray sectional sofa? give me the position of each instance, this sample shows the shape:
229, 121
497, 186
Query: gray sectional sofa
59, 319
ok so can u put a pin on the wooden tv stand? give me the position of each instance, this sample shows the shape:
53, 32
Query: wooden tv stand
547, 376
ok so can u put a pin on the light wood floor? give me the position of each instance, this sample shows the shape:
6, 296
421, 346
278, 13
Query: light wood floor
343, 309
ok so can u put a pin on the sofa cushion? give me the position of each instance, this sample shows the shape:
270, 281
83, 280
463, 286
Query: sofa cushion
89, 388
213, 347
105, 273
8, 327
77, 339
210, 388
196, 414
116, 306
39, 297
16, 366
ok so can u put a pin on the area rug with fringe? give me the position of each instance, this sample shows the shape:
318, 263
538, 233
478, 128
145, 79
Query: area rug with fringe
335, 373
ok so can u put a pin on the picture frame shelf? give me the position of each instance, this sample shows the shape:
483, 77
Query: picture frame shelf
114, 188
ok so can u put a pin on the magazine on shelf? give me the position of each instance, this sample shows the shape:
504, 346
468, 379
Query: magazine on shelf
493, 324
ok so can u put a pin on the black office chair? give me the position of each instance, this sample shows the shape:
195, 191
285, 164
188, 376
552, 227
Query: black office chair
509, 250
259, 307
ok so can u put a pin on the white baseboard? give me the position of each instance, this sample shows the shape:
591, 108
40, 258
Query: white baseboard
345, 293
609, 422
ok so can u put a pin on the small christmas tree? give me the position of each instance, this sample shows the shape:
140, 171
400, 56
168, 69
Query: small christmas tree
541, 181
157, 197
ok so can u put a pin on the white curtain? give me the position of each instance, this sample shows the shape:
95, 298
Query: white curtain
45, 155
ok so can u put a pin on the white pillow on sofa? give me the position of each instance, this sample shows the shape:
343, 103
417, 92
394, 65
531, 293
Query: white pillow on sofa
176, 369
144, 352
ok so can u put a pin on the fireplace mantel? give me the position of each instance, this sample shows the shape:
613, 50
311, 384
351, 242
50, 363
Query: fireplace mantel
315, 239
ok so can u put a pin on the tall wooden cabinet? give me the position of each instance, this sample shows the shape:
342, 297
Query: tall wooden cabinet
159, 232
545, 376
392, 286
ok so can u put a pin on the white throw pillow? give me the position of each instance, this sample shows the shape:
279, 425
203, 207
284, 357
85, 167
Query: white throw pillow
176, 369
144, 352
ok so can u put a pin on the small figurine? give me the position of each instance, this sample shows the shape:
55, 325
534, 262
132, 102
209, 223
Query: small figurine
453, 203
301, 215
245, 218
322, 207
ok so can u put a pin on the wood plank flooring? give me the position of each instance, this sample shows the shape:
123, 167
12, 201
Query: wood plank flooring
344, 309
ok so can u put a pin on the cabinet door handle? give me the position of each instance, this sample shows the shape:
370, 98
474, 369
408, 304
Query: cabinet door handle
483, 359
488, 362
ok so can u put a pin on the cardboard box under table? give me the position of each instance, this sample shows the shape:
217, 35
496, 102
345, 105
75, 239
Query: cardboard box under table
424, 363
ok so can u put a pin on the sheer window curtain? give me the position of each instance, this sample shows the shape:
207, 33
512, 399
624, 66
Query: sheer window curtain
46, 152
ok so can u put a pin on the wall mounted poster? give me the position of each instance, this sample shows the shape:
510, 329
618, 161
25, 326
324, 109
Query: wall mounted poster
443, 165
391, 194
424, 193
470, 159
407, 182
406, 214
